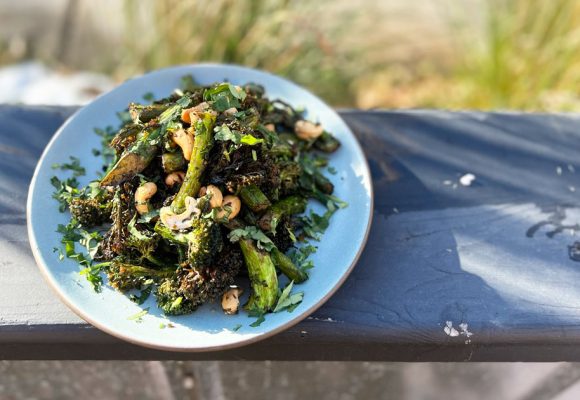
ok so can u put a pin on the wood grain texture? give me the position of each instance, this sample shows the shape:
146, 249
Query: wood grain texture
492, 255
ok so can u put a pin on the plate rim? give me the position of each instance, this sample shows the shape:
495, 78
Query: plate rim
128, 338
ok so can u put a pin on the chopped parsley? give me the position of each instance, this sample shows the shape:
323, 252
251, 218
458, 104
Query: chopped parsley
139, 316
93, 275
172, 112
64, 191
258, 322
149, 96
223, 133
224, 96
144, 294
74, 165
251, 232
288, 301
300, 256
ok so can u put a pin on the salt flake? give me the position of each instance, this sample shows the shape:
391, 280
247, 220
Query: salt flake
450, 330
467, 179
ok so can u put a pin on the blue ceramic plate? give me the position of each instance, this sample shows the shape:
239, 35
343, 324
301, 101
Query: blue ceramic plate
208, 328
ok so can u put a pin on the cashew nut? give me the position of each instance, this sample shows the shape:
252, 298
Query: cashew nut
216, 195
184, 220
174, 178
231, 111
306, 130
190, 115
142, 196
230, 207
184, 139
231, 300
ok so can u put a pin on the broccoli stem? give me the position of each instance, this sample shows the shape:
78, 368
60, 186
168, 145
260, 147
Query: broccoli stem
140, 271
285, 264
288, 206
327, 143
263, 278
169, 235
320, 162
254, 198
134, 160
322, 183
145, 113
124, 276
201, 148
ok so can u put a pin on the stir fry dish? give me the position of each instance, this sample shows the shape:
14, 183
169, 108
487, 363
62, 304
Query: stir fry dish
199, 190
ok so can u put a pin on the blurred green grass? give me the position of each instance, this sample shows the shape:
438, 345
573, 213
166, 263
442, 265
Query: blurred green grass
281, 36
496, 54
527, 57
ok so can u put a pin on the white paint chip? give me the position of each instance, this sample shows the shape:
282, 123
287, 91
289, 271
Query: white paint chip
463, 331
450, 330
467, 179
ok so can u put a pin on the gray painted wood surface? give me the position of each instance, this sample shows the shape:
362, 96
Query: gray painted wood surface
450, 272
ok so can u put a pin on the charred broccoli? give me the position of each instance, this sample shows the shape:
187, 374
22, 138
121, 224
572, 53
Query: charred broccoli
199, 154
202, 242
201, 187
171, 300
90, 212
290, 172
191, 287
124, 276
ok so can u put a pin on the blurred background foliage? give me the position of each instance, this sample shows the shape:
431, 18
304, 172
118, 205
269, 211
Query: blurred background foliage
455, 54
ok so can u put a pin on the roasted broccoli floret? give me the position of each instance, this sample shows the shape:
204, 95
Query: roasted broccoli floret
190, 287
144, 243
171, 300
203, 242
235, 170
92, 207
114, 242
290, 172
90, 212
